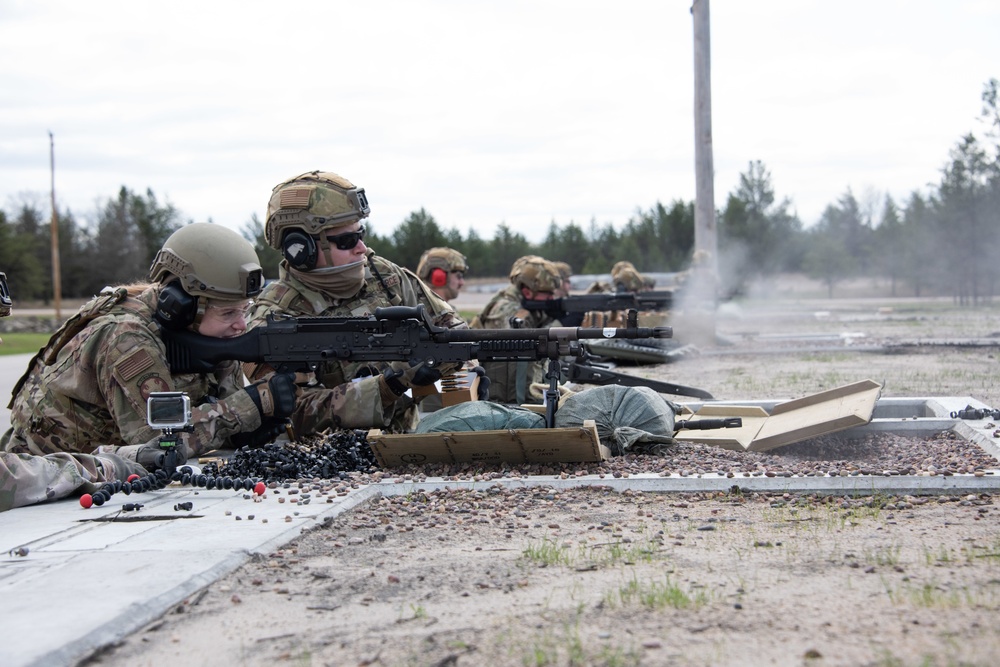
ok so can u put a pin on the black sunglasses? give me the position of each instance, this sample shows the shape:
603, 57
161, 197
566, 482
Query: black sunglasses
347, 240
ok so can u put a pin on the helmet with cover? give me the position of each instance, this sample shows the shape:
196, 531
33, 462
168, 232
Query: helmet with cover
313, 202
626, 277
443, 259
565, 270
515, 269
537, 274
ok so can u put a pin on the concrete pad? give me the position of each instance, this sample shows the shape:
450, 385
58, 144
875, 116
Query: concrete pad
85, 582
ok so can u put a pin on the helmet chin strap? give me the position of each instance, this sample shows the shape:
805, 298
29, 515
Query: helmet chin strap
324, 247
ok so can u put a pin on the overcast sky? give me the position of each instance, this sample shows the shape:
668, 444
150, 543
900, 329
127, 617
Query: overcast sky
524, 112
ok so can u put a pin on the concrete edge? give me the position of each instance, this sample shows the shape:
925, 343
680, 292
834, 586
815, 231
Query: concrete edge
860, 485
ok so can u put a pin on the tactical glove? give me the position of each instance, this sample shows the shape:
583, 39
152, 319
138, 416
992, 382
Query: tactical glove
274, 397
400, 376
152, 457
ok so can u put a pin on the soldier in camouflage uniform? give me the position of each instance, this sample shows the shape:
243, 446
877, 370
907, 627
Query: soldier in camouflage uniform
314, 220
26, 479
531, 277
626, 278
565, 272
88, 387
444, 270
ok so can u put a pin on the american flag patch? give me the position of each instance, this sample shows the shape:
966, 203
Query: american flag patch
134, 364
295, 198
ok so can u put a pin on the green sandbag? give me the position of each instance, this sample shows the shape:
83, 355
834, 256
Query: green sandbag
628, 419
479, 416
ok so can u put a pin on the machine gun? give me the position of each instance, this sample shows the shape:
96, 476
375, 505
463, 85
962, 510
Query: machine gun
578, 304
5, 301
582, 370
394, 333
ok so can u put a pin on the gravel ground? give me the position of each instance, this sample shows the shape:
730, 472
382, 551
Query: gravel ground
588, 576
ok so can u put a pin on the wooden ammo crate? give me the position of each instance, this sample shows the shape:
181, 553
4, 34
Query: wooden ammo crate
531, 445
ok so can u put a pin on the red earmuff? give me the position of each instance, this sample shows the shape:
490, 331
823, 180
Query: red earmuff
439, 277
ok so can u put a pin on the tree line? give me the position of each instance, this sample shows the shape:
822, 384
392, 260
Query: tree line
936, 242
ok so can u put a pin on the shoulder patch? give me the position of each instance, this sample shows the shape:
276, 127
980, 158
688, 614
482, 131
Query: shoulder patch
134, 363
153, 383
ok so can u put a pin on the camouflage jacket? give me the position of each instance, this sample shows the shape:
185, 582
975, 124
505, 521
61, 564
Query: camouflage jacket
26, 479
88, 386
347, 396
510, 382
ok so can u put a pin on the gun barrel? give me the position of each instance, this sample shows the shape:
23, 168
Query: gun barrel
550, 334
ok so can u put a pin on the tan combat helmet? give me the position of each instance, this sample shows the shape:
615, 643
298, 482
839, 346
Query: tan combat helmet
625, 277
519, 263
536, 273
565, 270
209, 260
444, 259
312, 202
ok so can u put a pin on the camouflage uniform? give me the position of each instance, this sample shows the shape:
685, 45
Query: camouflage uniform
88, 386
511, 382
339, 402
26, 479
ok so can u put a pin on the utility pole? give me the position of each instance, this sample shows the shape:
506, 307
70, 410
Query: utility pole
54, 235
705, 266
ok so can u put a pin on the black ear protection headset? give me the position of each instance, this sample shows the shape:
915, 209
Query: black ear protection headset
439, 277
175, 308
299, 248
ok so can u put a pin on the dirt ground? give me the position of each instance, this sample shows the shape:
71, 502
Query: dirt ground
594, 577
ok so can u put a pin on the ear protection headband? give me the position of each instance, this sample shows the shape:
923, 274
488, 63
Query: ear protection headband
300, 250
439, 277
175, 308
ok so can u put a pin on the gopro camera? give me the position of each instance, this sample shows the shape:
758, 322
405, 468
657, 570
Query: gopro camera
168, 410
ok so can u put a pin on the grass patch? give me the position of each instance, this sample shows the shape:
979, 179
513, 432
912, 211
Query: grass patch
22, 343
547, 553
657, 595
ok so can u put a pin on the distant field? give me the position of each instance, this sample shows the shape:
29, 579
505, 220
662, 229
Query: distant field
21, 343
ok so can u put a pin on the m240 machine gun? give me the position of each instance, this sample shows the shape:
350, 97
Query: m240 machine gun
395, 333
572, 308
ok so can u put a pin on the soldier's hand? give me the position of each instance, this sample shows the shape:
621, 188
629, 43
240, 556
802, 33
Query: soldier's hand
152, 457
275, 397
400, 376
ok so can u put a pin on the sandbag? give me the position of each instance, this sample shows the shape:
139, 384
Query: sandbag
629, 419
479, 416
